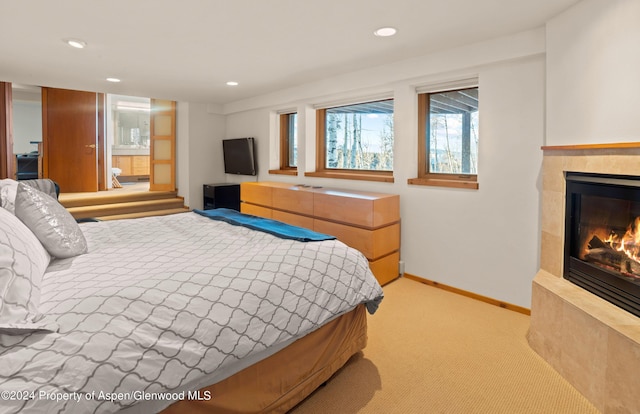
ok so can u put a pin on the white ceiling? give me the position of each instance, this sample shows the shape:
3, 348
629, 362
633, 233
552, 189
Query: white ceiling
187, 50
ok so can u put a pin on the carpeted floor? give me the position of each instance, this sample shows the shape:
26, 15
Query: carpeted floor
432, 351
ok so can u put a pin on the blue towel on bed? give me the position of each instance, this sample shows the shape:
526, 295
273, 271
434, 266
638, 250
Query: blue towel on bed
276, 228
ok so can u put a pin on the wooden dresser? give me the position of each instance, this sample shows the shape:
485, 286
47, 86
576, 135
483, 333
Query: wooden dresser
369, 222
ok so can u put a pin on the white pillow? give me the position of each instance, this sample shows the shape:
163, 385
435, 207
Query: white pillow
8, 189
23, 262
52, 224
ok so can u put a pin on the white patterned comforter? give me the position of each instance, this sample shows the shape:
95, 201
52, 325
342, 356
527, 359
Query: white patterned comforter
172, 304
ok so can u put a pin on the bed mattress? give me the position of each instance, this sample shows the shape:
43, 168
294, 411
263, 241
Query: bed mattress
161, 307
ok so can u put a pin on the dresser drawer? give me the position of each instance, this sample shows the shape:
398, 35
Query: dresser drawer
255, 210
358, 209
293, 219
295, 200
386, 268
372, 243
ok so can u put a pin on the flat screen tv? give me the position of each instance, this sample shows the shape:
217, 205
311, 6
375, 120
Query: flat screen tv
239, 156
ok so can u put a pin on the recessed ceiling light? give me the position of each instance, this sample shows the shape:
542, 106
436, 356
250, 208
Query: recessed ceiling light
232, 83
78, 44
385, 31
114, 80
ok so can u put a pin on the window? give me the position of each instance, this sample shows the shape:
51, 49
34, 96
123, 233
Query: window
448, 140
288, 127
288, 141
356, 141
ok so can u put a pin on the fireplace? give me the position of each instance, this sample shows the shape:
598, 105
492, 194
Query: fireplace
592, 343
602, 237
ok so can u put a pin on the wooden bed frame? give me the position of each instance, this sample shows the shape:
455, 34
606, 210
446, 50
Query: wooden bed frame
278, 383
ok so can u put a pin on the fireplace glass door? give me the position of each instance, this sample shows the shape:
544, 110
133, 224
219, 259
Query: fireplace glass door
602, 237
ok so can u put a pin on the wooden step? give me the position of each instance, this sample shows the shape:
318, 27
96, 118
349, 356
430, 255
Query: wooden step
145, 214
126, 207
71, 200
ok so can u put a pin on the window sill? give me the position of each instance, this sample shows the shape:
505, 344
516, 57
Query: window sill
470, 185
284, 172
363, 176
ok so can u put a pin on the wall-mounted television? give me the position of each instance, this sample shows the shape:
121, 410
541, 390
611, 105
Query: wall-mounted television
239, 156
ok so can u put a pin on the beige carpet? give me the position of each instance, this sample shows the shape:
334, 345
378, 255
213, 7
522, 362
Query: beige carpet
432, 351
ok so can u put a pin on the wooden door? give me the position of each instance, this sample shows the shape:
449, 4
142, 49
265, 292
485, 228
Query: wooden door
70, 137
162, 172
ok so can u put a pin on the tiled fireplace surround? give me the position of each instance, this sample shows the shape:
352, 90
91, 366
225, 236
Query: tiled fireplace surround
593, 344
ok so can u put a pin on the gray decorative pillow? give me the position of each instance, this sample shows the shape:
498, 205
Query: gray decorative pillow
23, 262
45, 185
8, 189
52, 224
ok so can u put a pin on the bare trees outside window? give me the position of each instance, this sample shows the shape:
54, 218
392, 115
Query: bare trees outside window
453, 132
449, 138
359, 136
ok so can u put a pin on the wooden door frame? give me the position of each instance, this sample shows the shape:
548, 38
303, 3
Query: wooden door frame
7, 164
162, 109
45, 141
102, 149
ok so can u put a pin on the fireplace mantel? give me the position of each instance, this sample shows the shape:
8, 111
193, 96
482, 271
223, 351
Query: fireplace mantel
593, 344
618, 145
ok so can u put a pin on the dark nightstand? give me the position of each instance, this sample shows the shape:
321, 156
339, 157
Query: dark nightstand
221, 195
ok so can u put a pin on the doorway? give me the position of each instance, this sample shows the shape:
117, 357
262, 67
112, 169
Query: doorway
128, 141
26, 148
155, 149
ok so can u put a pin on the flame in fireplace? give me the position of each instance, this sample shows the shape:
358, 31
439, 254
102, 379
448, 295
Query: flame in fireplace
629, 244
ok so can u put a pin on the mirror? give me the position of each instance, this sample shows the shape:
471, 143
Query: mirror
130, 120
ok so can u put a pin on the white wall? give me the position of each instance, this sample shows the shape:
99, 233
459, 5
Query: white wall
199, 151
250, 124
593, 73
485, 241
27, 125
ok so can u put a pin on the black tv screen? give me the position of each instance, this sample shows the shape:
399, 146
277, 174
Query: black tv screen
239, 156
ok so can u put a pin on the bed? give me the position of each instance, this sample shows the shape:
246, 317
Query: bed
178, 313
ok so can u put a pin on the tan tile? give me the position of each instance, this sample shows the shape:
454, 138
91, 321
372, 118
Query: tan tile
552, 254
629, 327
553, 212
583, 363
597, 164
623, 375
621, 164
552, 176
545, 330
575, 163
